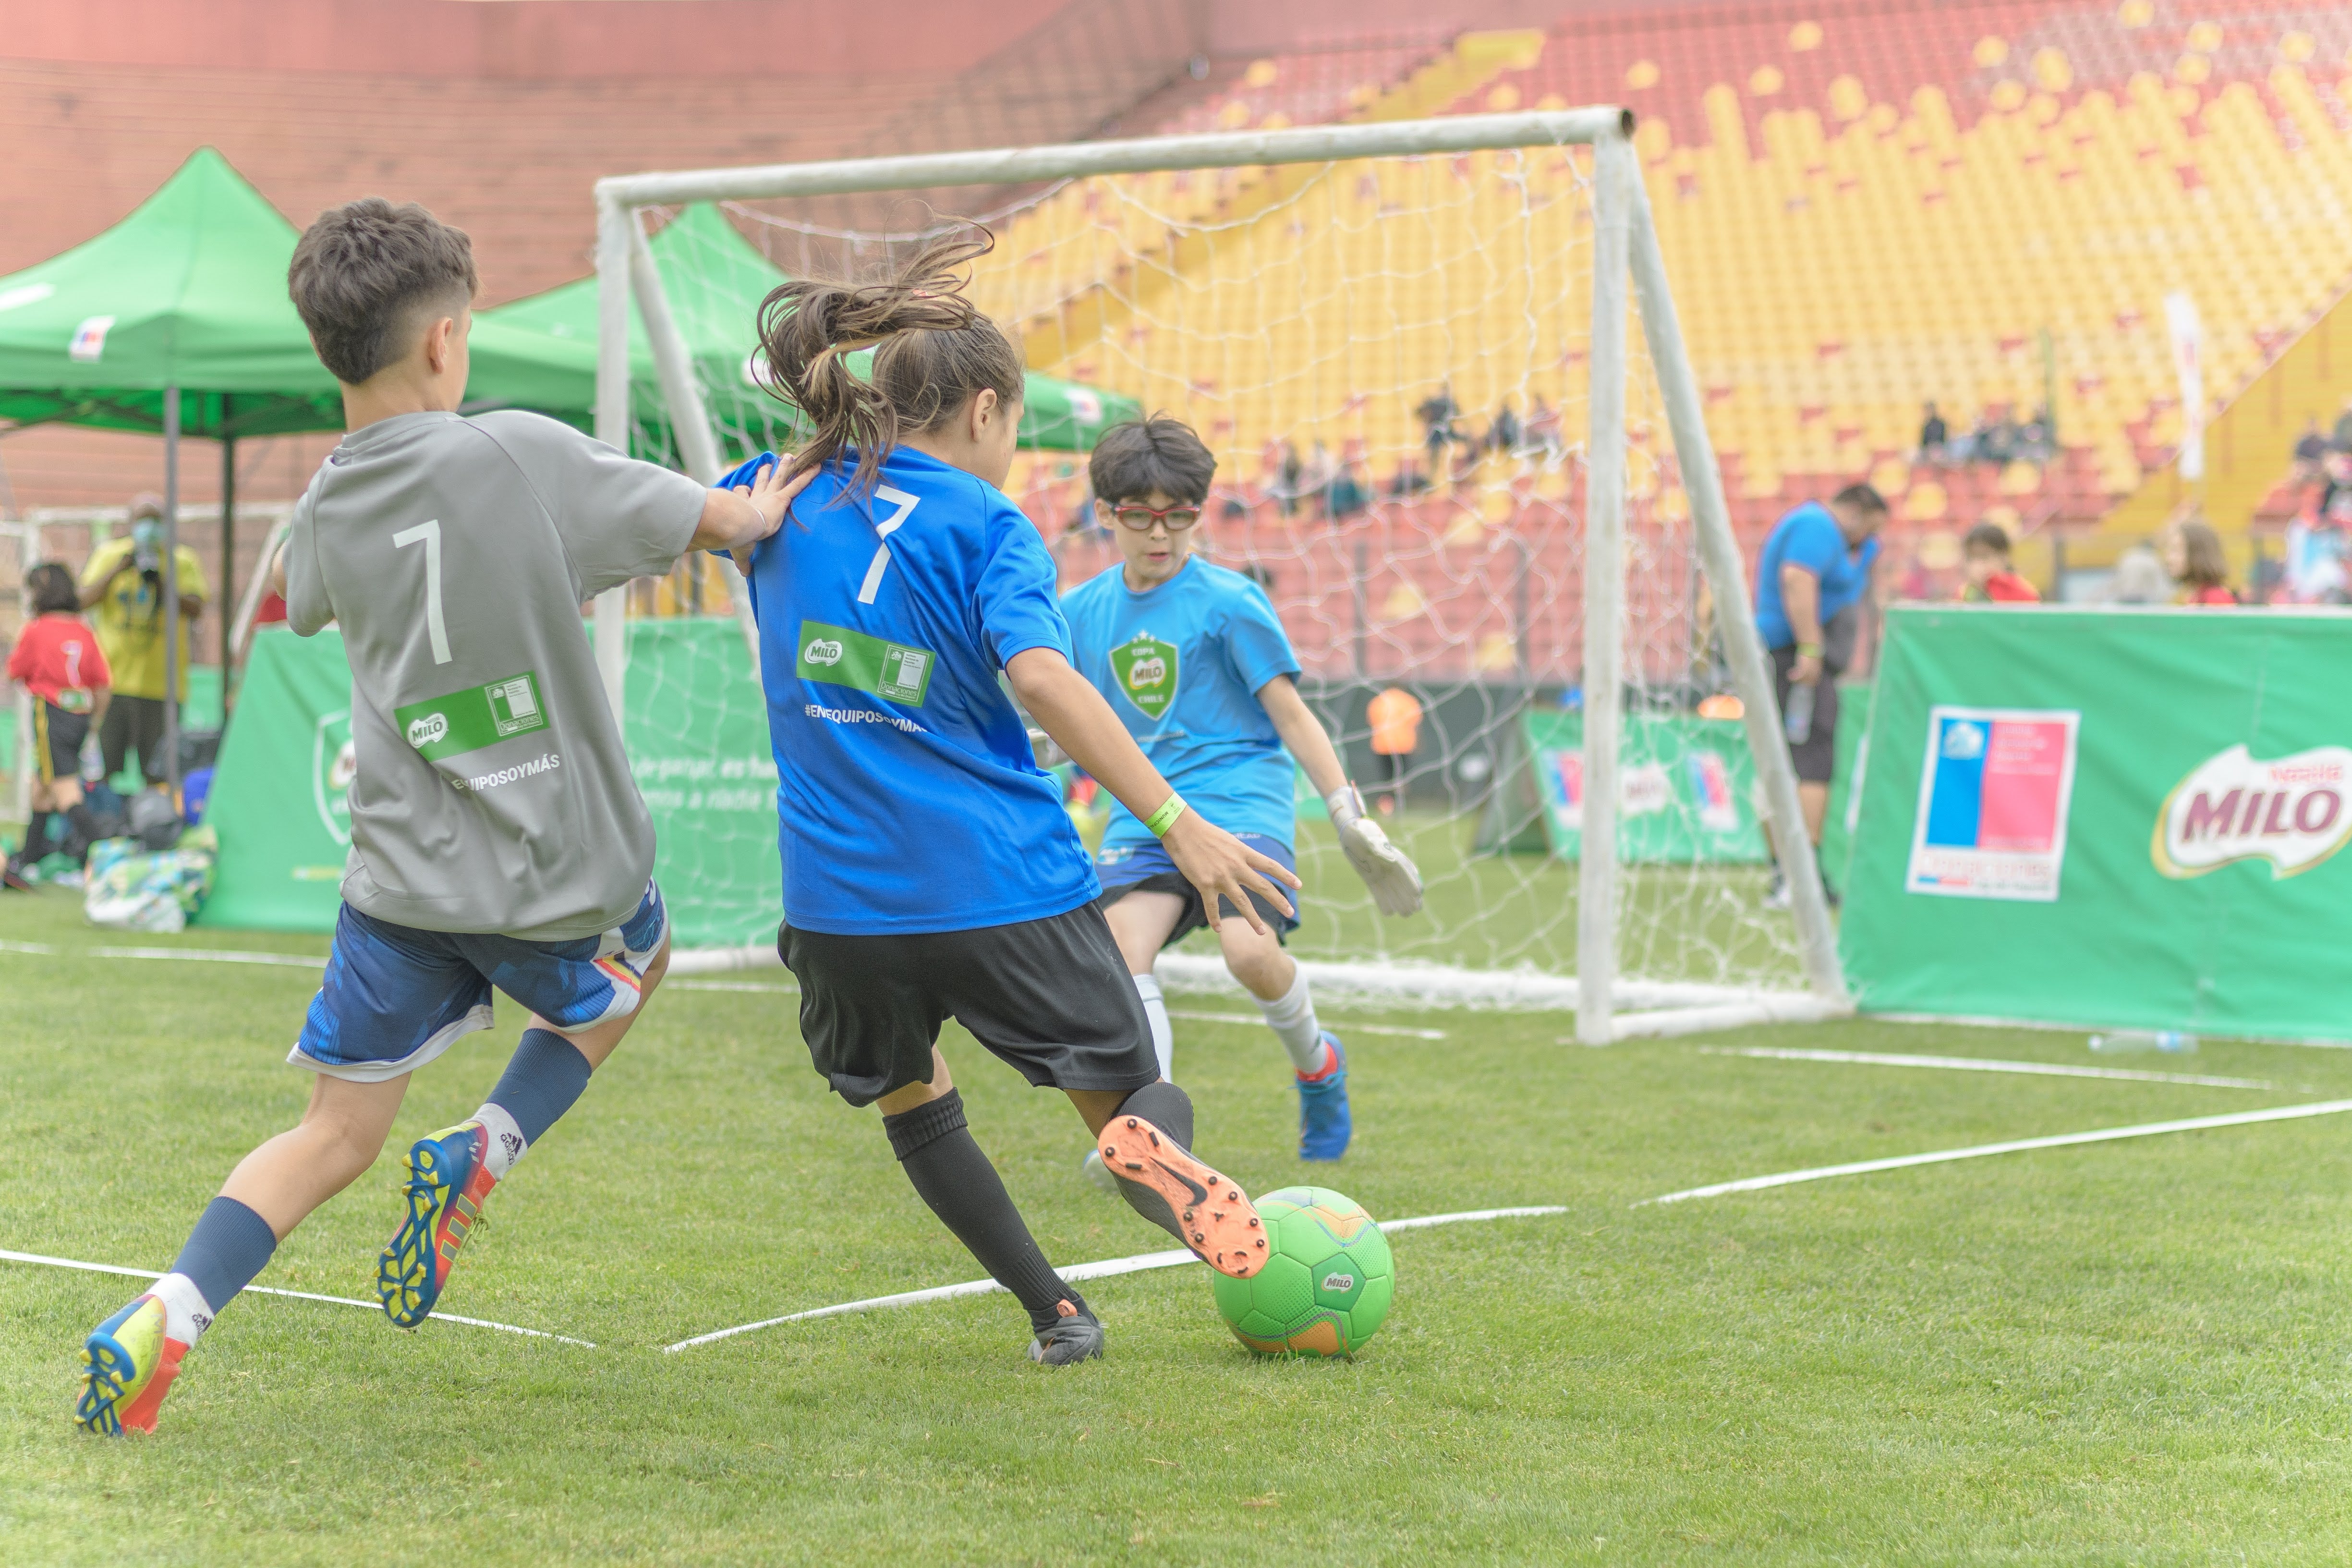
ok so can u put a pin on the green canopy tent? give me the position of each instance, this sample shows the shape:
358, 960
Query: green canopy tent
715, 279
176, 322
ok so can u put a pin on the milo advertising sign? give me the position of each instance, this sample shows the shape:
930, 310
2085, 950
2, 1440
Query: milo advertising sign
2143, 815
1145, 672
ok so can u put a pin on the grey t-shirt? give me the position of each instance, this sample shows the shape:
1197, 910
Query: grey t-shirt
492, 792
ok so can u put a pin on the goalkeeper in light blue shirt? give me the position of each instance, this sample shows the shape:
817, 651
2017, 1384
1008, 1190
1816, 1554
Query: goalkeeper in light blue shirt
1193, 658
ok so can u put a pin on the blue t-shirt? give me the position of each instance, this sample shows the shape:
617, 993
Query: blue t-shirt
908, 797
1808, 536
1182, 664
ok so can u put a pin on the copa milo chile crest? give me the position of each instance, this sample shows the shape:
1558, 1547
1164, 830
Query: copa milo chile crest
1146, 669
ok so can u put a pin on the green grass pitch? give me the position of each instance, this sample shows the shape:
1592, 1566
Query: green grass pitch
2127, 1353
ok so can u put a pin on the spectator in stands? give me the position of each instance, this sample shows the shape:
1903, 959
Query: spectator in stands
1286, 475
2139, 578
2034, 444
1935, 436
2310, 452
2000, 444
1543, 430
1346, 495
1396, 718
1817, 567
123, 583
1503, 436
1984, 558
1438, 413
2192, 554
2343, 432
1976, 445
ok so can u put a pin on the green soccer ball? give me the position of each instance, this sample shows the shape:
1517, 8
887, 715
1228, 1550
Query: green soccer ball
1327, 1281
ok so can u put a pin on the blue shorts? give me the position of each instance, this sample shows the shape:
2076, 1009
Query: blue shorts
1146, 869
396, 997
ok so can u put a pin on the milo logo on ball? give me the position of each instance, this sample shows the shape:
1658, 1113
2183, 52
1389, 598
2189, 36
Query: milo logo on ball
1146, 672
1338, 1284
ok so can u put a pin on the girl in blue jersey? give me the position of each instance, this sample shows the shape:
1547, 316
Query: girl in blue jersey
1194, 660
930, 869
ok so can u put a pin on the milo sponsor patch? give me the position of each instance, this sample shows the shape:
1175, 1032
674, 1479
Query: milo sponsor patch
841, 656
472, 717
1145, 669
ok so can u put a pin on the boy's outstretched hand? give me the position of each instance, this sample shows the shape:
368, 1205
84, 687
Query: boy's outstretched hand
1387, 870
1220, 866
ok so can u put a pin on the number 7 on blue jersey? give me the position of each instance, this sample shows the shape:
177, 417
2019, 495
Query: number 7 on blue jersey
905, 505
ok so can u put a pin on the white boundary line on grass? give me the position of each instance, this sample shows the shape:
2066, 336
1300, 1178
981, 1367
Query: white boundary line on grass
2014, 1146
1103, 1270
1981, 1064
185, 955
150, 1276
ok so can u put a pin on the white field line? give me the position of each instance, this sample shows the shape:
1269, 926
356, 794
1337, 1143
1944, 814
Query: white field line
150, 1276
1351, 1028
2019, 1145
186, 954
1982, 1064
1102, 1269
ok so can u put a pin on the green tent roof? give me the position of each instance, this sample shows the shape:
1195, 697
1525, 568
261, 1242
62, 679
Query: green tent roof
190, 291
715, 279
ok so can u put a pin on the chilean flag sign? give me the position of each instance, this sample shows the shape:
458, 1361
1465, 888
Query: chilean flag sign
1994, 794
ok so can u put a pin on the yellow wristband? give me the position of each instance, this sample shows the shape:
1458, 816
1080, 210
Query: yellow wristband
1160, 821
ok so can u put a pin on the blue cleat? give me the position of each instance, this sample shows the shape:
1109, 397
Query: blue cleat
449, 1179
1325, 1124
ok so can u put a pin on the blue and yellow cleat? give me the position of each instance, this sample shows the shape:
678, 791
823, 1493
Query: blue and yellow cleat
1325, 1125
128, 1365
449, 1179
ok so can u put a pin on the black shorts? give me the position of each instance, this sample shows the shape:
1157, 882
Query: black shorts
56, 743
1816, 756
1051, 996
133, 723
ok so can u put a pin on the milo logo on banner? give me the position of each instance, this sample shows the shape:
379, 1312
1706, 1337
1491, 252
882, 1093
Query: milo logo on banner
2290, 812
334, 762
1146, 672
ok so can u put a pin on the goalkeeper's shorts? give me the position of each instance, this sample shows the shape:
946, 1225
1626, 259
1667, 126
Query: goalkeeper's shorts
396, 997
1050, 997
1146, 869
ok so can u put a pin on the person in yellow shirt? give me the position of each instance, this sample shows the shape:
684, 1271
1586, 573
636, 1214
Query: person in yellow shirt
122, 588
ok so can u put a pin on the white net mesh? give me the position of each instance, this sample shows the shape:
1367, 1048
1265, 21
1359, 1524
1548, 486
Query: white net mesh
1388, 357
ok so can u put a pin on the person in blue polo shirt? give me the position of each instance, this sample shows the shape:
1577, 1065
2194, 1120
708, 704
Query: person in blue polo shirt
930, 871
1817, 567
1194, 660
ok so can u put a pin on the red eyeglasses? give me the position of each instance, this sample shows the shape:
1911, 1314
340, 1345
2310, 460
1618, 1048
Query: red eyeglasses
1141, 518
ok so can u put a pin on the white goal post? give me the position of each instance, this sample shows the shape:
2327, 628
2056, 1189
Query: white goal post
1626, 246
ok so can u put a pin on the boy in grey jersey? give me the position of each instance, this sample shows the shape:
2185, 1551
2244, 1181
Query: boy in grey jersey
496, 832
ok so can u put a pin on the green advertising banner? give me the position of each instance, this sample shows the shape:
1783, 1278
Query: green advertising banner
2108, 818
1686, 792
697, 740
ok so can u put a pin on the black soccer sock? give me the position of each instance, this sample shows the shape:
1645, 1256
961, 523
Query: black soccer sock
82, 829
935, 1148
37, 840
1169, 1109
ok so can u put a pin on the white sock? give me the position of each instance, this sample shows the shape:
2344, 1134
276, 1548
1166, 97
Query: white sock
1164, 1038
1292, 1019
186, 1313
507, 1145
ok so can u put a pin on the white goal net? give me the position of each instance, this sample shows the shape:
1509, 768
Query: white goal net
1473, 484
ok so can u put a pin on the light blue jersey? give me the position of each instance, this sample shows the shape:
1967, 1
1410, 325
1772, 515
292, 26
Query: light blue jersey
1182, 665
908, 797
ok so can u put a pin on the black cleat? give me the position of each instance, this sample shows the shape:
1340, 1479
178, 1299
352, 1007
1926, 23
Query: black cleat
1078, 1336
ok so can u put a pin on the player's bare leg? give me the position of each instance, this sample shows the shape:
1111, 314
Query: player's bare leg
1318, 1061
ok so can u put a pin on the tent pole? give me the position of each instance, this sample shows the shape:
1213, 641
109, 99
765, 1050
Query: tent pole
228, 594
170, 592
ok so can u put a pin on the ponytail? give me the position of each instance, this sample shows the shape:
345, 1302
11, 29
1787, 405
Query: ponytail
933, 351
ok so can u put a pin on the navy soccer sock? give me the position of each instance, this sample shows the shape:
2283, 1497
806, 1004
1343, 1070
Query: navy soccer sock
230, 1245
544, 1077
935, 1148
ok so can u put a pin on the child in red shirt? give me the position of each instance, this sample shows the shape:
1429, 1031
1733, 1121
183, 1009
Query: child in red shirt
1984, 554
58, 658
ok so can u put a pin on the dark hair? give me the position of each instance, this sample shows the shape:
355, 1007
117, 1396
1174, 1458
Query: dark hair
2202, 564
52, 589
1860, 498
362, 273
933, 352
1160, 453
1986, 537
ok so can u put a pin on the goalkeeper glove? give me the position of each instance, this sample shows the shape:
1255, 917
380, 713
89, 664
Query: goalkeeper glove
1386, 870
